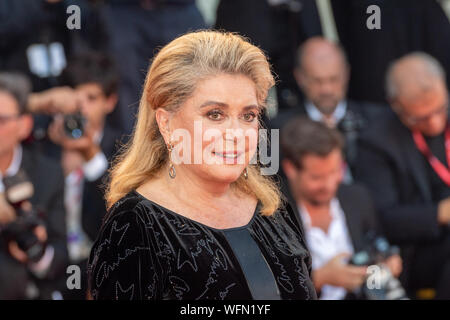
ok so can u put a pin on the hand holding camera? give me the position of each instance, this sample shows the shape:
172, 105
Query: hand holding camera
72, 132
17, 250
25, 234
337, 272
378, 252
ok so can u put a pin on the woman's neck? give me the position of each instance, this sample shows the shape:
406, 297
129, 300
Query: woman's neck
214, 204
187, 186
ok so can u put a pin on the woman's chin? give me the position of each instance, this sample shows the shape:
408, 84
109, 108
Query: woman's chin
225, 173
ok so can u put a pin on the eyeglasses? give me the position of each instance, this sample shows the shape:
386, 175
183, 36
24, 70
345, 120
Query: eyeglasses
417, 120
6, 118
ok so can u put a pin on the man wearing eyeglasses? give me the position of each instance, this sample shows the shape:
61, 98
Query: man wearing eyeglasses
404, 160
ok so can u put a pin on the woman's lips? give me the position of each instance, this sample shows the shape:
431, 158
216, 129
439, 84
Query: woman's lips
228, 156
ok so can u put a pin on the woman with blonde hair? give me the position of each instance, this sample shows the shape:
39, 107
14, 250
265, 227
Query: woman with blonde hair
190, 215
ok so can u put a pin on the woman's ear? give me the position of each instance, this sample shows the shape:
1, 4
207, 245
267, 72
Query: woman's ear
163, 120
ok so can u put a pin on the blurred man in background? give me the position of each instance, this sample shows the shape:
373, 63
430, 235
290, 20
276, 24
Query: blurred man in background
339, 219
26, 273
404, 160
322, 74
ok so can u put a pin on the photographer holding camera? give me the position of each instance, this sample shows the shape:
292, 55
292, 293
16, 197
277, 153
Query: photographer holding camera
33, 251
86, 144
340, 223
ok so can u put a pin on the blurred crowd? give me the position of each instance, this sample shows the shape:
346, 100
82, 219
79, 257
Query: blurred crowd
362, 113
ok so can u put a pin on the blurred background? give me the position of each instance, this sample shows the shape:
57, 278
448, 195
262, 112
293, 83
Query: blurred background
367, 80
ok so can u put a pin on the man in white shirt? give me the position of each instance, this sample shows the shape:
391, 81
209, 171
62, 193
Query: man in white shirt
335, 217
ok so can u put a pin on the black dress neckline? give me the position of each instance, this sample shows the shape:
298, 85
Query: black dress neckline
255, 212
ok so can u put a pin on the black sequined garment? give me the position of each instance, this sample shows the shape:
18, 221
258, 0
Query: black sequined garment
146, 251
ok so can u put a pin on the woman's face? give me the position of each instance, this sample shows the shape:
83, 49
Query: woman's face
215, 132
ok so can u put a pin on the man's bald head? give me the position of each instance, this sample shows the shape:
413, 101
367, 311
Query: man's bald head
412, 75
318, 50
322, 73
417, 91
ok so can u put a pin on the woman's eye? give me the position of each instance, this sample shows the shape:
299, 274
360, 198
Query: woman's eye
214, 115
249, 117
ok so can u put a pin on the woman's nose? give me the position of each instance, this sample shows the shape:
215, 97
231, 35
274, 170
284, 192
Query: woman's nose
234, 130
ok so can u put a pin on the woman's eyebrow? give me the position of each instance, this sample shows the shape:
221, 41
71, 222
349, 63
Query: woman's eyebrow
224, 105
213, 103
252, 106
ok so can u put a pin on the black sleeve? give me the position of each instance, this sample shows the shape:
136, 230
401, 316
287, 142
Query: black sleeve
123, 264
401, 222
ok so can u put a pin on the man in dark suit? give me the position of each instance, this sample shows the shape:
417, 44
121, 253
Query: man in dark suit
339, 220
404, 162
322, 73
17, 270
86, 159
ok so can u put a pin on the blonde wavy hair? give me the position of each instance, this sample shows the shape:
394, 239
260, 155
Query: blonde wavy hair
171, 79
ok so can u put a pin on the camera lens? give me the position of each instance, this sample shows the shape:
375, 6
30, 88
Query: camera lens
74, 125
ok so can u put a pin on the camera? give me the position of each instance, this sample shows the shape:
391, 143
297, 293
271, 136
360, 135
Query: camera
386, 287
18, 191
74, 125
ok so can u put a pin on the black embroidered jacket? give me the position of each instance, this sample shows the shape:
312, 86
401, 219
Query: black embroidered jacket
146, 251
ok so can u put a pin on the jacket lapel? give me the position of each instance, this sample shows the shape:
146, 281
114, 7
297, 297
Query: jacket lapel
351, 213
414, 160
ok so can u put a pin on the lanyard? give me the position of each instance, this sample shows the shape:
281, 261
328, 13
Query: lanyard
442, 171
